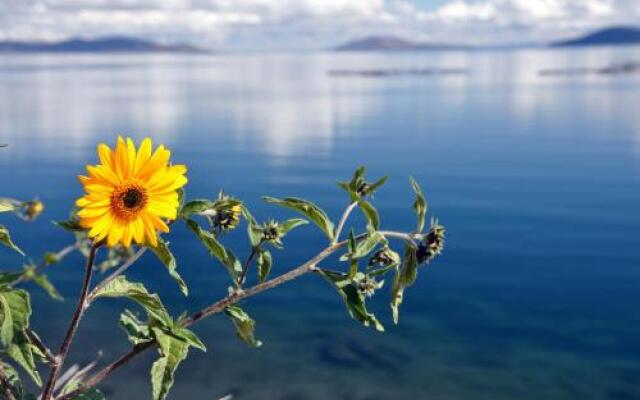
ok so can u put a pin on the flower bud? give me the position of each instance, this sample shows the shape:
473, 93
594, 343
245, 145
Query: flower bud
32, 209
384, 258
227, 218
432, 244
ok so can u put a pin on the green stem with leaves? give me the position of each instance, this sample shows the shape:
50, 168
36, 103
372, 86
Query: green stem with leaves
222, 304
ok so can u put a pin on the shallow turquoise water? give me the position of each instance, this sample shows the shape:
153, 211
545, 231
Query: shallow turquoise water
535, 177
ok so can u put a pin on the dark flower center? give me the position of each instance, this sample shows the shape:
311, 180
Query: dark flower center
132, 198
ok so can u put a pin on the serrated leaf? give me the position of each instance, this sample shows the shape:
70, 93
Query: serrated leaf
217, 250
121, 287
419, 205
136, 330
172, 352
370, 212
5, 239
308, 209
265, 262
15, 312
245, 326
286, 226
44, 282
353, 299
21, 351
404, 277
365, 247
168, 260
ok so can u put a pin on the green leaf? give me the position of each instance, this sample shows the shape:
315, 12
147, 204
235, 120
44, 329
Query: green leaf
15, 311
5, 239
17, 389
121, 287
71, 225
44, 282
308, 209
419, 205
264, 265
405, 277
9, 278
371, 214
245, 326
190, 337
195, 207
353, 298
374, 186
217, 250
365, 246
6, 205
136, 330
288, 225
172, 352
168, 260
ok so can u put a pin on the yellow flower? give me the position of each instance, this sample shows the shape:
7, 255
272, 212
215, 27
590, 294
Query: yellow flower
130, 193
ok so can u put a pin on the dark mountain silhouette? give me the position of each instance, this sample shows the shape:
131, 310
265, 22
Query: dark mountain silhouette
604, 37
391, 43
120, 44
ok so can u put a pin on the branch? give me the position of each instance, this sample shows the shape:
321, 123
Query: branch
343, 220
222, 304
73, 326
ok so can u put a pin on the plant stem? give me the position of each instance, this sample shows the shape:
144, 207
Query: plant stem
73, 326
222, 304
343, 220
247, 263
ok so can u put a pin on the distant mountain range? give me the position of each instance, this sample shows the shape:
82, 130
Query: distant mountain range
114, 44
604, 37
392, 43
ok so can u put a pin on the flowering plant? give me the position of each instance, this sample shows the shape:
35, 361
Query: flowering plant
132, 197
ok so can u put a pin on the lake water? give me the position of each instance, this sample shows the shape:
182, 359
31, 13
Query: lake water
536, 178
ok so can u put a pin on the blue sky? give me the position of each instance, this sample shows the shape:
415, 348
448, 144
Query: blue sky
310, 24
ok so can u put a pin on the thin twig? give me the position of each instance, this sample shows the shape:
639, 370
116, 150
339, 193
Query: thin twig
222, 304
247, 264
73, 325
343, 220
58, 256
36, 341
130, 261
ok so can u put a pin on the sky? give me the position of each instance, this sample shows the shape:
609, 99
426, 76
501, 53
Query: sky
312, 24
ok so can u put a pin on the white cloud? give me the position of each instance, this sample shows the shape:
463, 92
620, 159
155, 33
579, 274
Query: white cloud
309, 23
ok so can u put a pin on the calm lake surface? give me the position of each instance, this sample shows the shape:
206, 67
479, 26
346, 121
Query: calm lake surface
535, 177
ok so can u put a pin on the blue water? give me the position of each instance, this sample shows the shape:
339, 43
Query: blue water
535, 177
